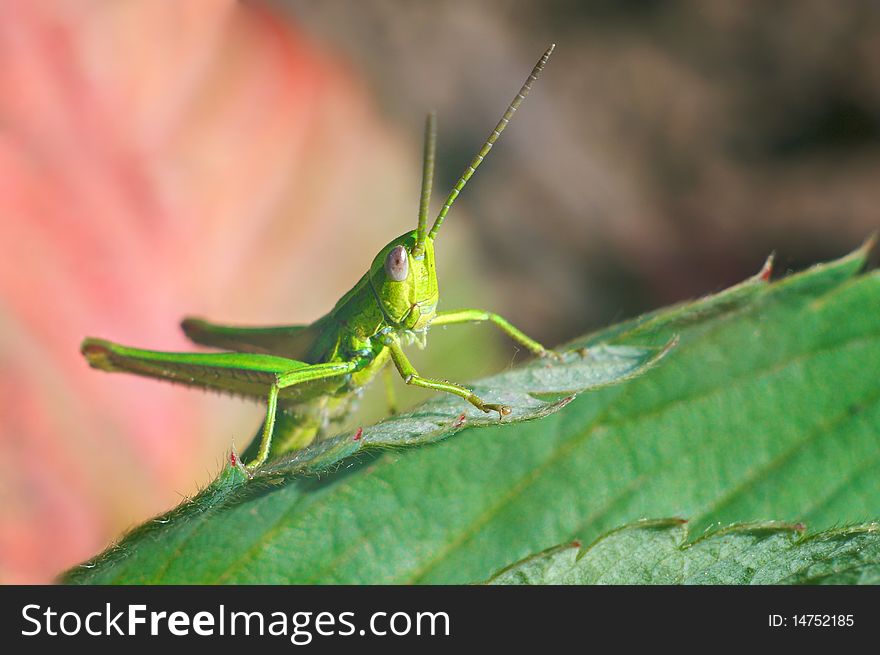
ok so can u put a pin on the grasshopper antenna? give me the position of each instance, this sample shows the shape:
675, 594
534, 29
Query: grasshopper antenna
427, 180
476, 161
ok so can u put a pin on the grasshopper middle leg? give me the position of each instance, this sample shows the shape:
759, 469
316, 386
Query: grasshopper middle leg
411, 376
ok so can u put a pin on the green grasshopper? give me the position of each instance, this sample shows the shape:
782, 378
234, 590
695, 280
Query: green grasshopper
312, 373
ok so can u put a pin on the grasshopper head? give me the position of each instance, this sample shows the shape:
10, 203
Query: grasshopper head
403, 275
405, 282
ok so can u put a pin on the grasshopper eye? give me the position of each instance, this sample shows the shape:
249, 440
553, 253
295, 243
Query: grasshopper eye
397, 264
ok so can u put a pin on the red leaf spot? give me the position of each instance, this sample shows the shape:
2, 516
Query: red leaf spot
767, 270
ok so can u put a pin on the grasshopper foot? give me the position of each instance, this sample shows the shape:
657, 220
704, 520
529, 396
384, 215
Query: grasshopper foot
551, 354
479, 403
503, 410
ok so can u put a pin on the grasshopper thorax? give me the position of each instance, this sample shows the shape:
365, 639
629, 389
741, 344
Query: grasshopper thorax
405, 282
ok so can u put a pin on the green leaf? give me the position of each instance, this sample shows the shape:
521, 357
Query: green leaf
658, 552
767, 408
534, 390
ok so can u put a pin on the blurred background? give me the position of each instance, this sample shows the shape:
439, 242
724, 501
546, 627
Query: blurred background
244, 161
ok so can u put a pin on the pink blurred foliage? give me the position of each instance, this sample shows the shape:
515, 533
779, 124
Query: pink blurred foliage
157, 159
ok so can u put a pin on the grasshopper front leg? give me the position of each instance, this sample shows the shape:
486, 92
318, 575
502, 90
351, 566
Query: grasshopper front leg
411, 376
479, 315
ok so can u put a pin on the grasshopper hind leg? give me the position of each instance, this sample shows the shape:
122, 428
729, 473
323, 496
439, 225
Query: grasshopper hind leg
265, 442
301, 432
291, 431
